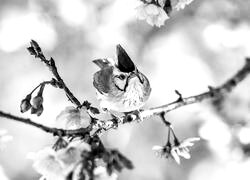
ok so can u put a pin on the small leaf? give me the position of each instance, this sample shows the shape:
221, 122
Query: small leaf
60, 144
94, 110
126, 162
32, 51
36, 46
167, 7
86, 104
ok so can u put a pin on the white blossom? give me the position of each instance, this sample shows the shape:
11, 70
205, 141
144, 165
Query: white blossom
182, 4
78, 172
162, 2
177, 150
181, 150
100, 173
73, 118
56, 165
153, 14
161, 151
46, 164
4, 137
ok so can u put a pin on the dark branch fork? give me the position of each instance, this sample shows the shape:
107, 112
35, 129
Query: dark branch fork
212, 93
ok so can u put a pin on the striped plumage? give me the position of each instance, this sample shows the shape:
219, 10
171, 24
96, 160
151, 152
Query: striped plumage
120, 86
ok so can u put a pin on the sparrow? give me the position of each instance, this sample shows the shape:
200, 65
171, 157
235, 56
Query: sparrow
120, 86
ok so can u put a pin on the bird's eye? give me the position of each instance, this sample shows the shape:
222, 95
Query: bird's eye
122, 77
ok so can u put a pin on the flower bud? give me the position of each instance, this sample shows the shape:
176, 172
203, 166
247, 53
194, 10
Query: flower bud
38, 111
25, 104
37, 102
60, 144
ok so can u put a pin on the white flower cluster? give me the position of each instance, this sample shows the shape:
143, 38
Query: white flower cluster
182, 4
176, 151
152, 13
57, 165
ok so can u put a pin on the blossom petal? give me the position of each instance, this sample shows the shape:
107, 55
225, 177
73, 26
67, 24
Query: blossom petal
189, 142
184, 154
140, 12
152, 9
158, 150
73, 118
175, 156
100, 173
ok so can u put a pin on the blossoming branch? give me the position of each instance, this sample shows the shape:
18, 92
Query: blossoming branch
79, 152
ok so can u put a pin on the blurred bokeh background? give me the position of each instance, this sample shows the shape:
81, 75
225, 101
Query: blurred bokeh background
202, 45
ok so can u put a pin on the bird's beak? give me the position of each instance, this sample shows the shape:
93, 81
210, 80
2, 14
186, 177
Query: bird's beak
137, 73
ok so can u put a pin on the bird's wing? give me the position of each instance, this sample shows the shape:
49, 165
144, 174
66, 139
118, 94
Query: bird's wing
103, 79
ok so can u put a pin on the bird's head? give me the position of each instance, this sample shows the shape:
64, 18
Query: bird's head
122, 72
125, 71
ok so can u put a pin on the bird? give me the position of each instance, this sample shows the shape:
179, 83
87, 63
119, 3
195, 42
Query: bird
120, 86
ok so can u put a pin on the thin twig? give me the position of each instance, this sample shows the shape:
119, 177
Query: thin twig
35, 50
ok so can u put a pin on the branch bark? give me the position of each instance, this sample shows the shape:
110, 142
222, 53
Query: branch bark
54, 131
227, 87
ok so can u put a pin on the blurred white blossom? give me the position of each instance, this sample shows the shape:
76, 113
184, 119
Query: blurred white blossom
18, 26
73, 118
74, 13
4, 137
244, 135
182, 4
56, 165
154, 15
2, 174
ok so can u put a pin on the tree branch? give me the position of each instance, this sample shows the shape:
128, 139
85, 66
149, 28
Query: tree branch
35, 50
213, 93
54, 131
